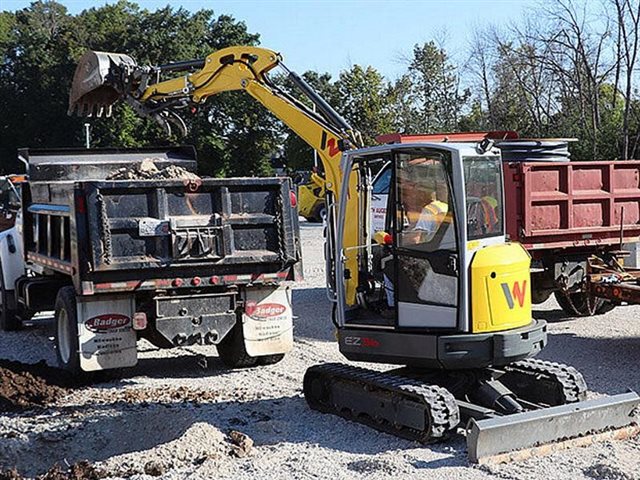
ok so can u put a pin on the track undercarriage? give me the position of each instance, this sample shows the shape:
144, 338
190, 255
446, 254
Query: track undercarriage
523, 405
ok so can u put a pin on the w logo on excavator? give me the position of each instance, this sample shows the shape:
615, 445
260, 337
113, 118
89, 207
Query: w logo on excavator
517, 292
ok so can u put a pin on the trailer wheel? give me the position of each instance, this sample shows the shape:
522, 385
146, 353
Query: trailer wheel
67, 331
8, 318
582, 304
232, 351
605, 307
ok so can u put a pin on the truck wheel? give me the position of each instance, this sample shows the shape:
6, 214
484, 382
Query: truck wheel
232, 351
67, 331
8, 319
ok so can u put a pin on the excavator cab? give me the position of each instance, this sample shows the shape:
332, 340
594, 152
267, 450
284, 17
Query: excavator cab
424, 273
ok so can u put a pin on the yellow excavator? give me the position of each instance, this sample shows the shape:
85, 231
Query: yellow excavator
439, 291
311, 195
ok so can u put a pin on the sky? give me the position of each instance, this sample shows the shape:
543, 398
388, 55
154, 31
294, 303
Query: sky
332, 35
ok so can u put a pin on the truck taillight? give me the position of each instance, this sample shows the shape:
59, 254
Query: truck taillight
139, 321
195, 281
293, 198
177, 282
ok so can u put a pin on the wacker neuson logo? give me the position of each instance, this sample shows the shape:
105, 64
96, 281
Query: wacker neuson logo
518, 293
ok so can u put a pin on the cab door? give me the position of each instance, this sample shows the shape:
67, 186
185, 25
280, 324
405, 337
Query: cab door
427, 260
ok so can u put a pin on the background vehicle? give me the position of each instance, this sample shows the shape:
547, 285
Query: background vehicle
460, 316
311, 198
9, 200
177, 261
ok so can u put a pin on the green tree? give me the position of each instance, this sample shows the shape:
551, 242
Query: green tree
429, 96
364, 102
40, 46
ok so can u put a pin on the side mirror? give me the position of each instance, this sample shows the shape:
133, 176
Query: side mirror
383, 238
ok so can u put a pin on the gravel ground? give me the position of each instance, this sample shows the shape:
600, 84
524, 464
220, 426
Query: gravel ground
174, 411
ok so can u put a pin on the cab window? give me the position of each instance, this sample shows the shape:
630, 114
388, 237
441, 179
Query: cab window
483, 186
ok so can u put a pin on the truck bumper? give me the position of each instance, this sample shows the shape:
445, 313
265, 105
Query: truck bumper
457, 351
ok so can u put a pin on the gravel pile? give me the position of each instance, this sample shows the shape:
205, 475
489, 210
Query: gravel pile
148, 170
173, 415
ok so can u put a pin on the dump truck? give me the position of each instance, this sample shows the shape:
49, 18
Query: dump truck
170, 257
573, 217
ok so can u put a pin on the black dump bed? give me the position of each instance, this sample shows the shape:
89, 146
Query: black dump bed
126, 231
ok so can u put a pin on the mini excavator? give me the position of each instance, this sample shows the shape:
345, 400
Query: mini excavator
440, 292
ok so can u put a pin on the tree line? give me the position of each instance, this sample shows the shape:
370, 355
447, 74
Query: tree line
569, 69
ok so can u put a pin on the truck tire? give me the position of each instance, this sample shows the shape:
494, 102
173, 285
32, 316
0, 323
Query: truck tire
232, 351
9, 321
67, 331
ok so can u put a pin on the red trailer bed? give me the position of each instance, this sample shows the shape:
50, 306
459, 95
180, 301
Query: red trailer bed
552, 205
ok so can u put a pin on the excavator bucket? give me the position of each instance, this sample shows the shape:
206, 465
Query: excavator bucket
520, 436
96, 83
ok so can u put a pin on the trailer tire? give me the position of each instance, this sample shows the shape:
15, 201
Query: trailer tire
67, 331
9, 321
232, 351
577, 304
605, 307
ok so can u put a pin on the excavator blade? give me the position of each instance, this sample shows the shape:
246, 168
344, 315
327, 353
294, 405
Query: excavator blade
96, 83
539, 432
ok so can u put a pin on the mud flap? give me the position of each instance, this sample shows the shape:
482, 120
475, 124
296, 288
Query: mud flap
106, 337
533, 433
267, 321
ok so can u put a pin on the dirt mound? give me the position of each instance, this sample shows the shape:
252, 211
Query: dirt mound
24, 386
148, 170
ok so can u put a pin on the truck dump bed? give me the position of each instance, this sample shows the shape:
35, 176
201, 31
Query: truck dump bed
572, 204
138, 234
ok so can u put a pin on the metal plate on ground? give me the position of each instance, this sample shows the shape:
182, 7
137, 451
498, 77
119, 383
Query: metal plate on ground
488, 440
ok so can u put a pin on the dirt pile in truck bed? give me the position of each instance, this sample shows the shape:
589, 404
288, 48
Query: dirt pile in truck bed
24, 386
148, 170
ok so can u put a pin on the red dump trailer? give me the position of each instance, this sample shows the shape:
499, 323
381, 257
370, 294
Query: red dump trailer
572, 216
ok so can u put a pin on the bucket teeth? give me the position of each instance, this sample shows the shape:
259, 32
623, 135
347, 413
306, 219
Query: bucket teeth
97, 83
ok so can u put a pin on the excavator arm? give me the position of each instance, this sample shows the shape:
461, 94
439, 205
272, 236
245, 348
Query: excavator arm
101, 79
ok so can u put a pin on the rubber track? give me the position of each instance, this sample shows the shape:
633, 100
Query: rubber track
438, 402
571, 380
